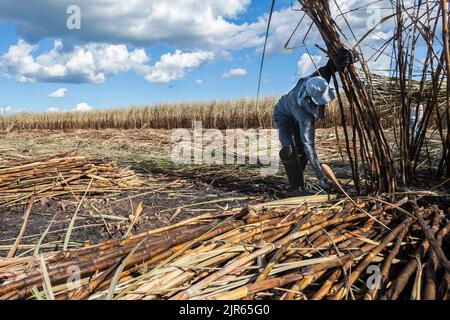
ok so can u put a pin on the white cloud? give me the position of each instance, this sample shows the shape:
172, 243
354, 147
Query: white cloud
308, 64
238, 72
5, 110
283, 24
93, 62
53, 109
88, 63
60, 93
188, 25
175, 66
199, 81
83, 107
184, 24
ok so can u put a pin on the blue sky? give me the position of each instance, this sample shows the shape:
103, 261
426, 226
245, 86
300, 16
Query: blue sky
147, 51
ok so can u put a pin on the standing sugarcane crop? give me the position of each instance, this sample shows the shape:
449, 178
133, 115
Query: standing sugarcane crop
295, 115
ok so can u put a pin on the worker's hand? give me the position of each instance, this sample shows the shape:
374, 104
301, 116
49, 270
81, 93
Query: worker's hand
326, 185
344, 58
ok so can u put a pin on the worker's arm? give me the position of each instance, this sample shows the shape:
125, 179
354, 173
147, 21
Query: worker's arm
344, 59
307, 135
326, 72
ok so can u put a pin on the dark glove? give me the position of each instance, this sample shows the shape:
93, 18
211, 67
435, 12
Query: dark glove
344, 58
326, 185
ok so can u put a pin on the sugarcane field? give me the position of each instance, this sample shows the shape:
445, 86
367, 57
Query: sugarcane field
225, 150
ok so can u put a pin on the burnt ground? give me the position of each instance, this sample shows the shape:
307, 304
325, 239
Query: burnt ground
167, 189
103, 218
172, 192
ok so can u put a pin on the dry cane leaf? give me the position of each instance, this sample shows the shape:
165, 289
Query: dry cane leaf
136, 216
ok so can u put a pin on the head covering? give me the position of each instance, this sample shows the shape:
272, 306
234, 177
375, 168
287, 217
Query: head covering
317, 111
318, 89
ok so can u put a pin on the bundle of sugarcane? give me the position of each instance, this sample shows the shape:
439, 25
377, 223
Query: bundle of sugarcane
59, 175
374, 156
388, 96
362, 249
386, 90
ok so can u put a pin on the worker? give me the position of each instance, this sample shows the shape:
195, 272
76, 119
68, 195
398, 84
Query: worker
416, 119
295, 115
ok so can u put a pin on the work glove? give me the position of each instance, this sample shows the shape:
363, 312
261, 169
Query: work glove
326, 185
344, 59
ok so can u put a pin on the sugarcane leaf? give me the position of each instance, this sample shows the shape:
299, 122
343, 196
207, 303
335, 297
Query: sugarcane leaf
47, 285
115, 280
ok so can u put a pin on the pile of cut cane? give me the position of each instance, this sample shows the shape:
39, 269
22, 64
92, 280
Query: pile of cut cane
59, 175
332, 251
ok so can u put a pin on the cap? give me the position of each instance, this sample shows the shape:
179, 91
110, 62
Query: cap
319, 90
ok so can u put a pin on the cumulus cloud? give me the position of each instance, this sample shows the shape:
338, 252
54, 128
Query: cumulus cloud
83, 107
60, 93
199, 81
189, 25
238, 72
308, 64
88, 63
52, 109
283, 24
175, 66
184, 24
93, 62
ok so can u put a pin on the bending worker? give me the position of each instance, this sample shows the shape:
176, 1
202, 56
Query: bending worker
295, 115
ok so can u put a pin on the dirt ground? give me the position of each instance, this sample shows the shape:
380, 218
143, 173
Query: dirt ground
173, 192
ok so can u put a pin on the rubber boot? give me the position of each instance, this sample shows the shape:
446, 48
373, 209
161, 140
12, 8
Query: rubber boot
293, 165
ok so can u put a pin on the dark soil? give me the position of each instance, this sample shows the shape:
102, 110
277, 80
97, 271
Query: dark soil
158, 209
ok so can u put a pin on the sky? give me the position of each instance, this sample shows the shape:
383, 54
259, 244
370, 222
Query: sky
81, 55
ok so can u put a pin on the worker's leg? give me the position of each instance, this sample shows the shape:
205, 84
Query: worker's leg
285, 133
288, 154
301, 153
300, 147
